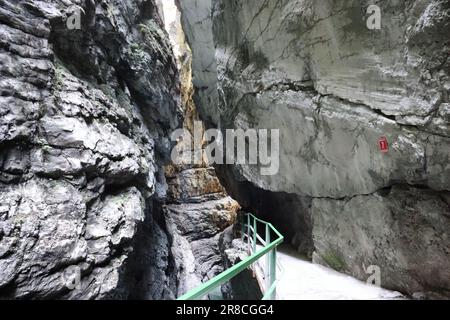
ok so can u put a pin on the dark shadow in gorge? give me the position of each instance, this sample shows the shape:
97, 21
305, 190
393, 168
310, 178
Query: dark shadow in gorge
150, 273
289, 213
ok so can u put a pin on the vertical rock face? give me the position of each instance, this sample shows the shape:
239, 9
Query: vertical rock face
197, 25
89, 95
334, 88
197, 210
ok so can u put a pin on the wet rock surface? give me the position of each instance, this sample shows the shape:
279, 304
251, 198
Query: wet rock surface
85, 117
334, 88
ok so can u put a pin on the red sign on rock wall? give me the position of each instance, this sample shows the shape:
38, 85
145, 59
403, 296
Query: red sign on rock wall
383, 144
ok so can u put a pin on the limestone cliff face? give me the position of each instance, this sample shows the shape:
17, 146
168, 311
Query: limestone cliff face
85, 117
334, 88
198, 210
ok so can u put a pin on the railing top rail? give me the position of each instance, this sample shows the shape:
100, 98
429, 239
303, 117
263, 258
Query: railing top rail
278, 234
266, 223
234, 270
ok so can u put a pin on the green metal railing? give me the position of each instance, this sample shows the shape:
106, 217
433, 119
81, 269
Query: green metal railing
249, 233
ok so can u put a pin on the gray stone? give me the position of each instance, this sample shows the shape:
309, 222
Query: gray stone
404, 231
334, 88
197, 209
85, 117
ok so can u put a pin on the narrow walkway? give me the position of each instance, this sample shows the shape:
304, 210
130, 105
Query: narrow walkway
303, 280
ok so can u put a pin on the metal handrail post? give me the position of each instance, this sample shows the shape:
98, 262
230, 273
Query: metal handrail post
248, 233
255, 232
267, 271
242, 227
273, 271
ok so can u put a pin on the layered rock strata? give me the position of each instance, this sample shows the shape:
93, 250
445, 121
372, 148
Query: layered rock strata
89, 96
197, 210
336, 88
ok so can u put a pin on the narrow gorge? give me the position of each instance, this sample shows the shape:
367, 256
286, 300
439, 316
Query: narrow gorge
93, 205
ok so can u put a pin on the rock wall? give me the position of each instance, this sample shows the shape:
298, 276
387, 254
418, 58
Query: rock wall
334, 88
197, 210
197, 25
85, 117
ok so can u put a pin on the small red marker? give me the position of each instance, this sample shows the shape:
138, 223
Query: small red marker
383, 144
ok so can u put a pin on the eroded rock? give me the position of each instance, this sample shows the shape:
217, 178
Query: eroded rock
334, 88
85, 117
